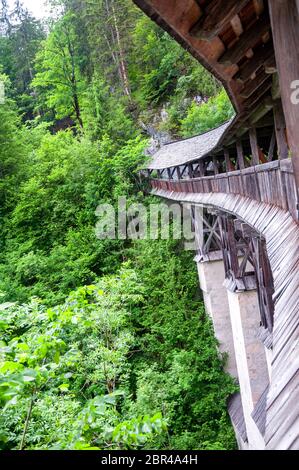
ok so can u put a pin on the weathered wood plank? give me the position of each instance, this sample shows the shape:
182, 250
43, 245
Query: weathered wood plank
280, 130
263, 53
217, 14
254, 147
272, 147
240, 153
285, 26
248, 40
253, 85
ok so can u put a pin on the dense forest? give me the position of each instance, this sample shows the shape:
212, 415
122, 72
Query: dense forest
104, 343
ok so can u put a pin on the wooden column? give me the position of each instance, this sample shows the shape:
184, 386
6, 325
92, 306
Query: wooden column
201, 167
285, 28
272, 146
228, 164
169, 174
215, 163
178, 172
280, 130
240, 154
254, 147
190, 170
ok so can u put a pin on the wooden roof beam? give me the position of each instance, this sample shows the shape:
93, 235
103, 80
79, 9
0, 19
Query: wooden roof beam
253, 85
217, 15
247, 41
270, 65
237, 26
251, 103
258, 6
262, 54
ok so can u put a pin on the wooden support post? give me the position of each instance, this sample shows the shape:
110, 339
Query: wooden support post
190, 170
240, 154
229, 245
228, 164
272, 147
259, 6
216, 167
254, 147
169, 174
248, 40
178, 172
280, 130
285, 26
217, 15
251, 66
201, 167
275, 91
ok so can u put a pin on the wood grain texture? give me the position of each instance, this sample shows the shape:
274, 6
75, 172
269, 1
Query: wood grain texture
281, 233
216, 16
248, 40
285, 26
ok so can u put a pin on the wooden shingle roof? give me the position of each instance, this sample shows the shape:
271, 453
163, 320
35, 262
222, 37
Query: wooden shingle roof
188, 150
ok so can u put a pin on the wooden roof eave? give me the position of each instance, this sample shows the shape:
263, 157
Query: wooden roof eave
226, 50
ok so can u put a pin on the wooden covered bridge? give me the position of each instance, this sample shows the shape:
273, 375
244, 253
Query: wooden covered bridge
245, 176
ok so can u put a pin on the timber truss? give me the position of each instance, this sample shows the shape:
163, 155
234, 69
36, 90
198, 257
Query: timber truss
220, 235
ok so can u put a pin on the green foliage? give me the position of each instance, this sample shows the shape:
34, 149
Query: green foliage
201, 118
58, 80
50, 243
183, 374
17, 54
80, 350
109, 364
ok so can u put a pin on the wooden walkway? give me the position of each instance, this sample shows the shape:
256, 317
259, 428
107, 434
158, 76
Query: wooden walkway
281, 233
271, 183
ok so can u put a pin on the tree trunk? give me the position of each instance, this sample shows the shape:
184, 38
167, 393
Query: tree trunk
121, 53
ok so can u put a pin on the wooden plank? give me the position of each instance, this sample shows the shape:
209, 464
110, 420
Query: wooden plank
248, 40
240, 154
237, 26
216, 165
201, 167
272, 147
270, 65
260, 111
252, 85
259, 6
190, 170
216, 16
254, 146
275, 91
280, 130
285, 26
256, 98
228, 164
250, 67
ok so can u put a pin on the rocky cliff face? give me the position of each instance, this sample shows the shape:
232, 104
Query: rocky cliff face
158, 137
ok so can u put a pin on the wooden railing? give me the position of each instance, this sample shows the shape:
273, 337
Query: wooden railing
271, 183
